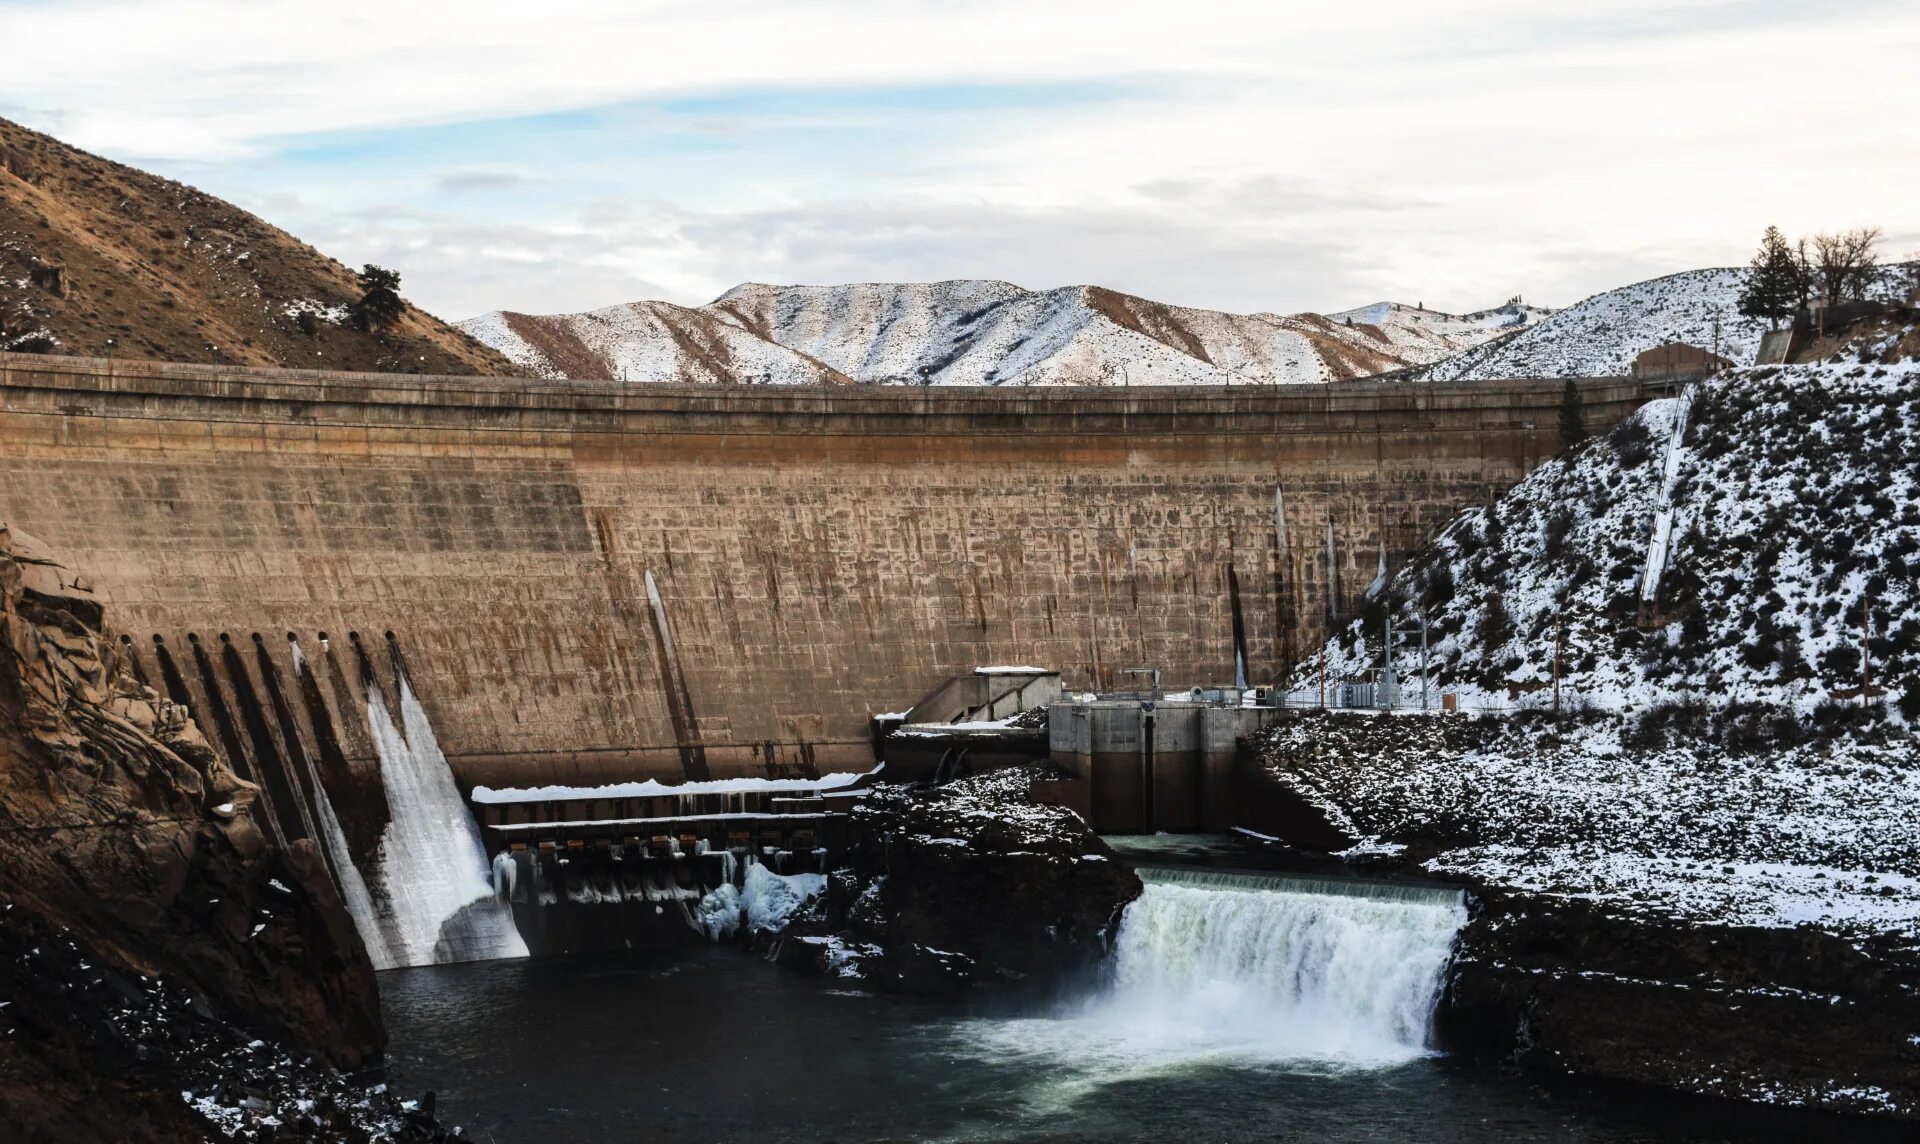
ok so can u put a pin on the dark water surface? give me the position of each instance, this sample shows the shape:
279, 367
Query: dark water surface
720, 1046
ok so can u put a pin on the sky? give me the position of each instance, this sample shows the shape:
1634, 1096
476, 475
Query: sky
570, 154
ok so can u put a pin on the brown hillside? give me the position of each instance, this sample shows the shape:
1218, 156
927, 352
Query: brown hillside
92, 250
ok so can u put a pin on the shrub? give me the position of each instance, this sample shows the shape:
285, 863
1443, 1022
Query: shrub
1559, 525
1632, 442
381, 303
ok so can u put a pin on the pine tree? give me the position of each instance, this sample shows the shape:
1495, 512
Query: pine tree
381, 302
1775, 282
1573, 419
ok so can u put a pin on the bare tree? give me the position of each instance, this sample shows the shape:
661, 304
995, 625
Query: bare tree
1845, 264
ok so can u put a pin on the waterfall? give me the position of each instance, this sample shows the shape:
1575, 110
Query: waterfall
1283, 967
433, 867
1240, 969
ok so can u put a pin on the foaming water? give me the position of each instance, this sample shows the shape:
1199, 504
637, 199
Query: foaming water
1218, 969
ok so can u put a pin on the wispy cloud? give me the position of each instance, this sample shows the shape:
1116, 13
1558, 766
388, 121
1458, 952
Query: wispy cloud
480, 179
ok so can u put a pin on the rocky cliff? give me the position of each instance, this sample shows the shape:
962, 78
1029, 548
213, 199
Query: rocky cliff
152, 942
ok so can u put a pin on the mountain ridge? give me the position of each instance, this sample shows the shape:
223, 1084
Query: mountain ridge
977, 332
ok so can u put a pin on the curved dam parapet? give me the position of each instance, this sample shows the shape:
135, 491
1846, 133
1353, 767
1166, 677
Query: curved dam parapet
599, 582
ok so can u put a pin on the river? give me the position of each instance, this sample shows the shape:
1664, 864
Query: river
1231, 1012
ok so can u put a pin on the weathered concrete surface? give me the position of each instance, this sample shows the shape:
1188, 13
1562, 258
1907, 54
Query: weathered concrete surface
816, 555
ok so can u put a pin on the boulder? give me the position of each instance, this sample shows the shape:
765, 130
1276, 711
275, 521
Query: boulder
1771, 1015
964, 883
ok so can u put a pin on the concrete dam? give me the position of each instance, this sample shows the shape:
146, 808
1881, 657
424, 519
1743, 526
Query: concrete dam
588, 582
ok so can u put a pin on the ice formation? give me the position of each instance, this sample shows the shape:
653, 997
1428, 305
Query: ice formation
763, 903
353, 886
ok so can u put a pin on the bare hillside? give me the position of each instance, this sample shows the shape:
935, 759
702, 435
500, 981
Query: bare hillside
91, 250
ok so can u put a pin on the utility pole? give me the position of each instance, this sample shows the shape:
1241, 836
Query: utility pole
1423, 661
1323, 675
1386, 674
1866, 652
1556, 659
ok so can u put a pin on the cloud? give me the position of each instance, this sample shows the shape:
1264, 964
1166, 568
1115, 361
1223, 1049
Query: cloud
479, 179
620, 252
1245, 155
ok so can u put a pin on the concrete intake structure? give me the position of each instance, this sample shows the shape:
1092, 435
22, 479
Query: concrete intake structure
594, 581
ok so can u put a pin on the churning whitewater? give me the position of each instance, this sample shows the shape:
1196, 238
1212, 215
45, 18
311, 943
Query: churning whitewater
1283, 967
1230, 968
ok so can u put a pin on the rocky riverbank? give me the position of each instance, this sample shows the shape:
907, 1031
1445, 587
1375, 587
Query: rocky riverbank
1728, 922
165, 971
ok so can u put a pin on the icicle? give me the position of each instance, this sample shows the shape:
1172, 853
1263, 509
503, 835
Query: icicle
1379, 582
1333, 579
506, 875
353, 887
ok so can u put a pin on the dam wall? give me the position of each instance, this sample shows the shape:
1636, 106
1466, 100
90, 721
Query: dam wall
594, 581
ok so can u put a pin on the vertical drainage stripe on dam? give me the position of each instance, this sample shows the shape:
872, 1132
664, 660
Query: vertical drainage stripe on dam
686, 726
358, 799
273, 767
302, 779
229, 732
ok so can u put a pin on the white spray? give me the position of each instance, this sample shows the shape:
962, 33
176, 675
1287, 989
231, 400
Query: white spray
433, 865
1239, 969
1267, 967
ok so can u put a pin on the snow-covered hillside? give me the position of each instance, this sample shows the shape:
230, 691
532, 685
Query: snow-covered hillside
1792, 501
1717, 760
1425, 336
1600, 336
978, 333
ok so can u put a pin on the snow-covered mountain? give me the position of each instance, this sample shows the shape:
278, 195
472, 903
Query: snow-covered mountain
975, 332
1425, 335
1600, 336
645, 341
